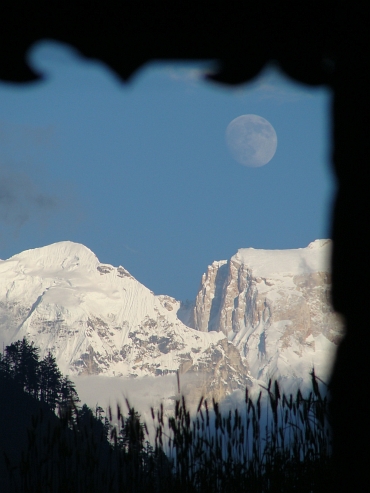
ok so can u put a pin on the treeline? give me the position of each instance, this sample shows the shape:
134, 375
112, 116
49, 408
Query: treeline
49, 443
42, 379
276, 444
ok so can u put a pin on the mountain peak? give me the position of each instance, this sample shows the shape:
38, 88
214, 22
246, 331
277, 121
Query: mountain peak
274, 306
63, 255
260, 314
98, 319
313, 258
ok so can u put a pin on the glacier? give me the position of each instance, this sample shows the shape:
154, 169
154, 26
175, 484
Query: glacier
261, 314
99, 320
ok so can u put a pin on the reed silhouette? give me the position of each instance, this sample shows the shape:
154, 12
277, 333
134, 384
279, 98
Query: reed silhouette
274, 443
317, 42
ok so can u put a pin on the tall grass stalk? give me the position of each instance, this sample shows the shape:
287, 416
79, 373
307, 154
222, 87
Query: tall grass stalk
277, 443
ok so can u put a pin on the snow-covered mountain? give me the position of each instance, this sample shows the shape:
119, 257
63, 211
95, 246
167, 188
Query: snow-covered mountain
98, 319
261, 314
274, 305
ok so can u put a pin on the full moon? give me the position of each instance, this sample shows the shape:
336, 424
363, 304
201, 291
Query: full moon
252, 140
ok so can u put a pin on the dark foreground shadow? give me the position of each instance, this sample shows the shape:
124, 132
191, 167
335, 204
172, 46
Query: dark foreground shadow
317, 42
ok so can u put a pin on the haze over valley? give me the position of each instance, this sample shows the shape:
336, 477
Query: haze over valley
261, 314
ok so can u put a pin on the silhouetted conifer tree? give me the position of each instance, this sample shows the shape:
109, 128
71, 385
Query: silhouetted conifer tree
99, 411
4, 367
50, 381
132, 434
88, 423
21, 363
42, 379
68, 397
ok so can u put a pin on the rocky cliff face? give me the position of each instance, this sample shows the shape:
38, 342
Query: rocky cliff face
274, 305
262, 314
98, 319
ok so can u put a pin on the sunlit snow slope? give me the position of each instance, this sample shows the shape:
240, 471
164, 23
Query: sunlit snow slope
98, 319
274, 305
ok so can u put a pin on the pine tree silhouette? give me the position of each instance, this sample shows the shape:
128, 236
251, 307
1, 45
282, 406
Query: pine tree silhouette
21, 363
50, 381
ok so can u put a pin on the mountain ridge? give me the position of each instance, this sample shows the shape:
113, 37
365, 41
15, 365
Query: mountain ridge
260, 314
98, 319
274, 305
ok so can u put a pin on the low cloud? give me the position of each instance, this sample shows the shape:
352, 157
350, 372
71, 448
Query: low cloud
21, 199
22, 139
22, 195
275, 85
186, 74
271, 83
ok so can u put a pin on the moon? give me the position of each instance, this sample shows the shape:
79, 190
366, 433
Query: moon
252, 140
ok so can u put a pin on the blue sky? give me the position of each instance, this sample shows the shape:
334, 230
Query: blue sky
141, 174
